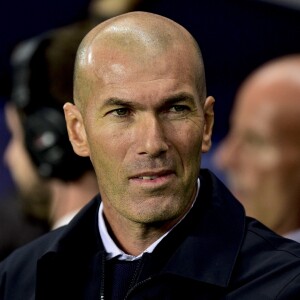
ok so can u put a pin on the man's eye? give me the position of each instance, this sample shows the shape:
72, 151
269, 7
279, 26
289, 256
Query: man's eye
120, 112
178, 108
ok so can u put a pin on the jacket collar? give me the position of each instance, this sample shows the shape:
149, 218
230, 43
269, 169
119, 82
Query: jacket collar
208, 253
216, 227
62, 269
81, 234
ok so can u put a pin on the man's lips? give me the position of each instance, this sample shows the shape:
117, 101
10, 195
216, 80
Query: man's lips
152, 175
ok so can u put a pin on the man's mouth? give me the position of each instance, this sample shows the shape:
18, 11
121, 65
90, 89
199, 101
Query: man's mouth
147, 177
150, 175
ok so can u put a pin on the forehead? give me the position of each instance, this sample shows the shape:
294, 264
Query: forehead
271, 111
117, 57
123, 72
254, 112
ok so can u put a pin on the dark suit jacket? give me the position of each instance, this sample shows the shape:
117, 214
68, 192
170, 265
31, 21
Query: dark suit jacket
214, 253
17, 228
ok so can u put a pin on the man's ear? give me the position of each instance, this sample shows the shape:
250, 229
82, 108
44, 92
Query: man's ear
76, 130
208, 110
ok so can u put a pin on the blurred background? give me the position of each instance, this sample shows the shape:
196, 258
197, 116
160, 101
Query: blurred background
235, 37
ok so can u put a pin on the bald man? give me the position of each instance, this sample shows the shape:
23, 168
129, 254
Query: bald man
160, 228
261, 154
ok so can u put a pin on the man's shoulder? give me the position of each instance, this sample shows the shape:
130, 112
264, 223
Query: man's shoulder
32, 251
261, 237
65, 237
268, 264
18, 270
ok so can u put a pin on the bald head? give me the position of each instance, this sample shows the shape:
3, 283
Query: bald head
279, 77
133, 39
276, 86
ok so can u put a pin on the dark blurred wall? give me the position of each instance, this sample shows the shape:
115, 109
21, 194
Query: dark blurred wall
235, 37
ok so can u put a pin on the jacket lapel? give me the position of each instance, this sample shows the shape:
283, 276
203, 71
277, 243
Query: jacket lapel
215, 229
69, 263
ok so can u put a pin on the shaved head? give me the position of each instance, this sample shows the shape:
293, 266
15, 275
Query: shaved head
135, 38
280, 75
279, 82
261, 154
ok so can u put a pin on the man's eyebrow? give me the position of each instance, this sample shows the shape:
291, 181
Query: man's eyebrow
178, 98
114, 101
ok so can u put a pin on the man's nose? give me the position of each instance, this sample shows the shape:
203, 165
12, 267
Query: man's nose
151, 137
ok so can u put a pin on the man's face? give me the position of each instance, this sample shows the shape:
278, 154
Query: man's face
144, 127
34, 191
261, 156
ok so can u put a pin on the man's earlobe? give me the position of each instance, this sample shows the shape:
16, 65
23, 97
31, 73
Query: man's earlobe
76, 130
208, 110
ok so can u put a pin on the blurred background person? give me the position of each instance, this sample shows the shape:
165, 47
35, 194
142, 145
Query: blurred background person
52, 180
22, 220
260, 156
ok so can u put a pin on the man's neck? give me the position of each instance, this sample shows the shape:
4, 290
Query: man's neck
132, 237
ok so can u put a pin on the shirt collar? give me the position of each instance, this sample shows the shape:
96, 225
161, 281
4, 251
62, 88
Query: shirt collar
293, 235
114, 251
